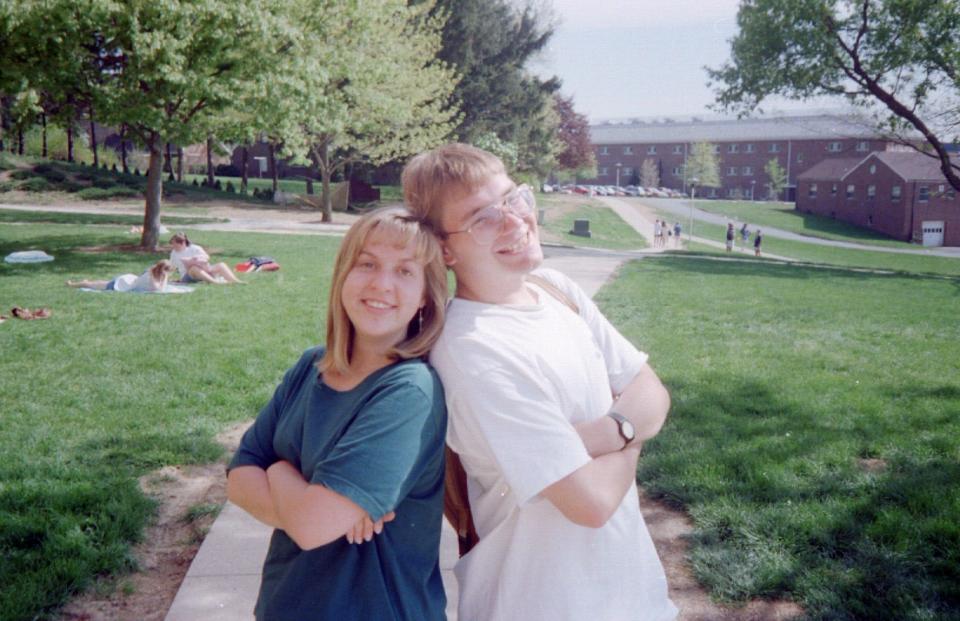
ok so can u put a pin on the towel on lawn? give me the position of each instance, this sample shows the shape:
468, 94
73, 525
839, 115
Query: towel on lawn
168, 289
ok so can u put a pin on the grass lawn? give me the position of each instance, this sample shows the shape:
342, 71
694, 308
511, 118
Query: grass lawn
607, 229
801, 251
815, 430
57, 217
116, 385
784, 216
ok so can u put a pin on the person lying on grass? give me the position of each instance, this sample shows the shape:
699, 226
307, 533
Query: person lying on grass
193, 263
153, 279
351, 444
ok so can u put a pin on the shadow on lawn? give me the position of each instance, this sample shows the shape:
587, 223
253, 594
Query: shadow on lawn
784, 505
738, 266
69, 259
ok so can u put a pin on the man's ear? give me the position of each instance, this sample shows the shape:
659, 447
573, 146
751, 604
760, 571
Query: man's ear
448, 257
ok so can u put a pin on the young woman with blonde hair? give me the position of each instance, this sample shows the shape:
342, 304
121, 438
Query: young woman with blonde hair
351, 444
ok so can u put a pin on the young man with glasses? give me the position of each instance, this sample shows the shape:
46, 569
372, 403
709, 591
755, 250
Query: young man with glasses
548, 409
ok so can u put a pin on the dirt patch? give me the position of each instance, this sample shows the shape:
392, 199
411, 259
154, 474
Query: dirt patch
189, 498
670, 530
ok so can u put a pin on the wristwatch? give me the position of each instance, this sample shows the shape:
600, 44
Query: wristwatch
625, 427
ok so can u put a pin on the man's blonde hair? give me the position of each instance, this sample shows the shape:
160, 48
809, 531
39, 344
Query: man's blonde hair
450, 171
398, 223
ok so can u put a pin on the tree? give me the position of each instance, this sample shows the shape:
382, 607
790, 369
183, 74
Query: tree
573, 132
649, 174
488, 43
371, 89
703, 164
777, 178
899, 59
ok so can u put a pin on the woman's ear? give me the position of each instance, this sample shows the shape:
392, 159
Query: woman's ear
448, 257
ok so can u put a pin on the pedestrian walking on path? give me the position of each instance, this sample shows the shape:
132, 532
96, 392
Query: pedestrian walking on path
346, 460
730, 235
757, 240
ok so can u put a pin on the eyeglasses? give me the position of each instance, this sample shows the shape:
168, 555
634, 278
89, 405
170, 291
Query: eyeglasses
488, 222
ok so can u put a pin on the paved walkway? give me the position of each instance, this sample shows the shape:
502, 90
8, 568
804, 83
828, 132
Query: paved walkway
223, 580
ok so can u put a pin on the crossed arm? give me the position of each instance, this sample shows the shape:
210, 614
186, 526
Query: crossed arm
590, 495
310, 514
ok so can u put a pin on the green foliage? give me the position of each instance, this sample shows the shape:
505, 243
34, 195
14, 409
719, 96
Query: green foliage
506, 151
703, 164
777, 176
76, 435
573, 132
814, 431
896, 58
114, 191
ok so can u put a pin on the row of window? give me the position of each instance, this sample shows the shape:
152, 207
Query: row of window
833, 147
923, 191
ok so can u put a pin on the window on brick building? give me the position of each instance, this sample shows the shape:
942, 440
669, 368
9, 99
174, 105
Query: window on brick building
812, 192
863, 146
677, 171
799, 158
871, 191
833, 189
628, 150
749, 148
651, 150
851, 189
627, 171
732, 171
716, 148
604, 150
895, 192
834, 147
733, 148
946, 191
677, 149
602, 172
923, 194
748, 171
774, 148
713, 192
873, 169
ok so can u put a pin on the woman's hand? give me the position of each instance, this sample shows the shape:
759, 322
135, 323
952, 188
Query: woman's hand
365, 528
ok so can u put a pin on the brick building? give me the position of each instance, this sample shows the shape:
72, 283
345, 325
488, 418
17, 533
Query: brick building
743, 146
901, 194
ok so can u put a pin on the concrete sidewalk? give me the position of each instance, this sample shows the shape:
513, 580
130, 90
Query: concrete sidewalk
224, 578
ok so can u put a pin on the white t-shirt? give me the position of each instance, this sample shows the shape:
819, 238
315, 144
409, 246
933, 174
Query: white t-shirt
131, 282
189, 252
517, 378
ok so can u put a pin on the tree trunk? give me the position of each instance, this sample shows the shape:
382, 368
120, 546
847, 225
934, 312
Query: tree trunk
123, 149
70, 141
93, 140
168, 160
210, 176
245, 159
323, 164
150, 240
273, 168
179, 164
19, 141
43, 133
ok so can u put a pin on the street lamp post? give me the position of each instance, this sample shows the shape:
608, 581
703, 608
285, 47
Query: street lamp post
693, 196
618, 173
753, 187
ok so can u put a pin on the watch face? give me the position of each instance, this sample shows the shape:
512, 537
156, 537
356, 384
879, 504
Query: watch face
626, 427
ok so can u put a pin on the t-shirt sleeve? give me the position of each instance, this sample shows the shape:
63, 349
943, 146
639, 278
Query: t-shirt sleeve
622, 358
256, 446
513, 411
373, 463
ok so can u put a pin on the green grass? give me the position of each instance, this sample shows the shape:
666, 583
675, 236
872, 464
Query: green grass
113, 386
786, 382
607, 229
784, 216
801, 251
62, 217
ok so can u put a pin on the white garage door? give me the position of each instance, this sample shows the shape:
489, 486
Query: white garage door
933, 232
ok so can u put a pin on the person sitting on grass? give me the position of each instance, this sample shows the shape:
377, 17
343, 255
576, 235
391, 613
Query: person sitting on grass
353, 438
153, 279
193, 263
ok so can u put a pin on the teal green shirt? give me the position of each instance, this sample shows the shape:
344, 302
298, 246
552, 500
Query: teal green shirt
381, 445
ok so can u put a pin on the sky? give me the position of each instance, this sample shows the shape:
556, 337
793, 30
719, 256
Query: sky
638, 58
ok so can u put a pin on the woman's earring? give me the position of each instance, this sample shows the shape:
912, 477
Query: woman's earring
420, 319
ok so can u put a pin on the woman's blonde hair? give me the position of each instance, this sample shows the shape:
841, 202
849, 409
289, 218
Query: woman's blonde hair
399, 223
449, 171
160, 267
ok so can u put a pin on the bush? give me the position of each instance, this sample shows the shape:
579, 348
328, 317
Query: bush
231, 188
226, 170
36, 184
103, 182
196, 184
7, 186
217, 185
22, 174
136, 172
73, 186
92, 194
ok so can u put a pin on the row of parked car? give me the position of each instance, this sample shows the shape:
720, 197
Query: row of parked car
612, 190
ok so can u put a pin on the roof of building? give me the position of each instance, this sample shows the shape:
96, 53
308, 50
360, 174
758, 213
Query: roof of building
798, 127
911, 165
834, 168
